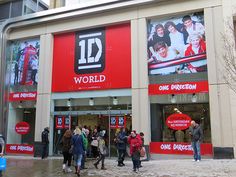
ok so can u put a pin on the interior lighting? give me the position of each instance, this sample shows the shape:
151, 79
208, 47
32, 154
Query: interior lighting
115, 101
173, 98
194, 98
91, 102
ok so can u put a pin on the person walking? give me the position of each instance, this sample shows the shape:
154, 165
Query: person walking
85, 133
77, 147
196, 134
2, 147
102, 150
67, 155
94, 143
121, 146
45, 142
141, 134
135, 144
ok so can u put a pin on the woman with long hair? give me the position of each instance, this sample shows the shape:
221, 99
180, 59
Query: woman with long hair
67, 155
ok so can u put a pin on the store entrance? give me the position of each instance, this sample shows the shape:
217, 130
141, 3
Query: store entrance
101, 120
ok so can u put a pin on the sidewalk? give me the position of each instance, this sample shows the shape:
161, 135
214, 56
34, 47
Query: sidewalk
35, 167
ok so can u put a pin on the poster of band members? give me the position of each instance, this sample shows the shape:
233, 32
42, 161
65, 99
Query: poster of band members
25, 62
177, 45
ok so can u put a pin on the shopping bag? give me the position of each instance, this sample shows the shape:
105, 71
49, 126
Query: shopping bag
3, 164
142, 152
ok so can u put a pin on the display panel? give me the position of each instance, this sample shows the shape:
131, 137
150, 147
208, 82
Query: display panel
92, 59
24, 62
176, 45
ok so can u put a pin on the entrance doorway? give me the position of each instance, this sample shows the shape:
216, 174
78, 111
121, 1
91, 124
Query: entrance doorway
101, 120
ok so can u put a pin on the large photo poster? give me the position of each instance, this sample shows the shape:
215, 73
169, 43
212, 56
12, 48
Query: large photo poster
25, 62
176, 45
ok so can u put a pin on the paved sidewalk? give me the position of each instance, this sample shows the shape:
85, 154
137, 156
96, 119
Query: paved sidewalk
51, 167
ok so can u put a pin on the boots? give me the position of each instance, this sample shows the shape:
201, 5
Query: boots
96, 165
75, 169
68, 170
64, 167
103, 168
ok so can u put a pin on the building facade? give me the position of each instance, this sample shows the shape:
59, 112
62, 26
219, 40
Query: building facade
130, 64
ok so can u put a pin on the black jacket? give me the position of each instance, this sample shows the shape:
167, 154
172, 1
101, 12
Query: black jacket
44, 136
196, 133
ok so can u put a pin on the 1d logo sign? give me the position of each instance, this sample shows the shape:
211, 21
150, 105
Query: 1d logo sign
90, 51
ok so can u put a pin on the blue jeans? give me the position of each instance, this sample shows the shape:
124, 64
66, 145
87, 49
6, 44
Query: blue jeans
196, 150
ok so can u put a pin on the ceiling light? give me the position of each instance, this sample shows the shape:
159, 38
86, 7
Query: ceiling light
91, 102
194, 98
173, 98
115, 101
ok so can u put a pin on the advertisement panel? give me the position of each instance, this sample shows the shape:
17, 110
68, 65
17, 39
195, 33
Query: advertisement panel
25, 62
176, 45
178, 148
117, 121
178, 121
93, 59
178, 88
19, 149
22, 96
22, 128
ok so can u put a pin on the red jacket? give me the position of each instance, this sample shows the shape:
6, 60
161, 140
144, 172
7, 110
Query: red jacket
189, 51
135, 143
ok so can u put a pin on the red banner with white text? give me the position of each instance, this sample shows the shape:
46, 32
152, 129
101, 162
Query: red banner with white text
19, 149
178, 148
22, 96
93, 59
178, 88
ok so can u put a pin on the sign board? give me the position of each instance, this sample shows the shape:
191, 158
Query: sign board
178, 88
178, 148
95, 59
117, 121
19, 149
22, 128
178, 121
22, 96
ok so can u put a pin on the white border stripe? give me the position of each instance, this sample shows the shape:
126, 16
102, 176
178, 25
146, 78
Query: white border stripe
90, 35
90, 66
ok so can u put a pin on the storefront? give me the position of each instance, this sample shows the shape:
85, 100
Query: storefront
178, 83
134, 62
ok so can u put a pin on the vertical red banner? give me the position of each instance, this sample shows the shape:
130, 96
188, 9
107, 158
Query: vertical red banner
60, 122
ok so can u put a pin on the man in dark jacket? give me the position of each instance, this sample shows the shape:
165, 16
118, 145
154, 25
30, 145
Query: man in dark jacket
45, 142
121, 146
196, 134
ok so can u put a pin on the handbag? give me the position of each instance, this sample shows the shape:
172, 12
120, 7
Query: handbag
94, 143
142, 152
3, 163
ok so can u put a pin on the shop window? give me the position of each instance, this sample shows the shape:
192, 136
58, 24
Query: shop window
161, 132
197, 112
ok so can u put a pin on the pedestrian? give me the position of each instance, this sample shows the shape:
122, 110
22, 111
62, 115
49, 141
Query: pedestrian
45, 142
85, 133
94, 143
67, 155
196, 134
102, 150
121, 146
135, 145
2, 147
77, 147
142, 138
